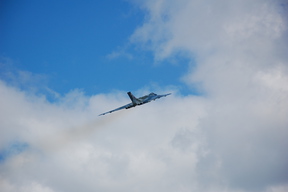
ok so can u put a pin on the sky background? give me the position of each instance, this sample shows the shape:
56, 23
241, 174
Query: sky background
85, 45
224, 128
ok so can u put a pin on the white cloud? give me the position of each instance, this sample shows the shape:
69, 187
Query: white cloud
70, 148
241, 61
232, 138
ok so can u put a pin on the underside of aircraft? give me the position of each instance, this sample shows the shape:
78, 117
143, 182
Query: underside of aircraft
137, 101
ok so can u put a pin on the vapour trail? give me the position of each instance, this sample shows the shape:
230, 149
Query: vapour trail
66, 137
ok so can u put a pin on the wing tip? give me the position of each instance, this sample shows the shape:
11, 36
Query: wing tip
102, 114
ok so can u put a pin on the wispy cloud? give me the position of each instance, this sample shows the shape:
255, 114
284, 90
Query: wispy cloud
120, 53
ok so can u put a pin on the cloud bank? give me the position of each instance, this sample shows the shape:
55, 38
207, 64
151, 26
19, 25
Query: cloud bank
234, 137
241, 62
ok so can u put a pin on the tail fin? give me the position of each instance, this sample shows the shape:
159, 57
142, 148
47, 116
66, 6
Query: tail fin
134, 100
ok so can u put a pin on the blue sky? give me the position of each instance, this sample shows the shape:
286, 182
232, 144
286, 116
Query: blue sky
72, 44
